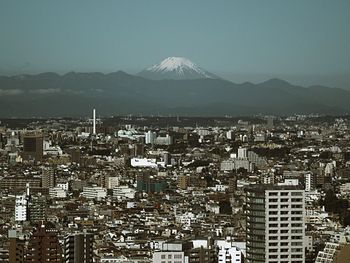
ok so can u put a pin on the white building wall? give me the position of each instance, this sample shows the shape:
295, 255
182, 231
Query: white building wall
227, 165
112, 182
57, 192
150, 137
242, 152
95, 192
284, 220
228, 253
169, 257
21, 208
144, 162
64, 186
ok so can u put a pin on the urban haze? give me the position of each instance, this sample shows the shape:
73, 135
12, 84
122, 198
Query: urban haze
174, 131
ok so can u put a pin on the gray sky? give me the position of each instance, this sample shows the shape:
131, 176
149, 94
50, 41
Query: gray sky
303, 41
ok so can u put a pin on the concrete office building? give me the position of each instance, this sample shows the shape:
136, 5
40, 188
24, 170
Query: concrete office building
57, 192
94, 192
275, 224
33, 146
18, 183
169, 257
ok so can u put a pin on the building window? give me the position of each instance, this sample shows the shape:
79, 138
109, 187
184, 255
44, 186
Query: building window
297, 243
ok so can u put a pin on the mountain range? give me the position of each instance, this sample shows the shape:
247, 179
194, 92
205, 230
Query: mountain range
178, 88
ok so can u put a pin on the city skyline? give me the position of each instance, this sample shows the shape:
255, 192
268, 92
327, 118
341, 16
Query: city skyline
175, 131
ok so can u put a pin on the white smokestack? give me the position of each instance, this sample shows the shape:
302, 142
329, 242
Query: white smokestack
27, 189
94, 121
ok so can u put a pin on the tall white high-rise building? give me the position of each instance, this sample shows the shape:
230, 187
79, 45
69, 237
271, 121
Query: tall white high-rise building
230, 135
150, 137
275, 224
21, 208
309, 182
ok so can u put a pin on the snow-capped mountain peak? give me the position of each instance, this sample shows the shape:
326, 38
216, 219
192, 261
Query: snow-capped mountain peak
176, 63
176, 68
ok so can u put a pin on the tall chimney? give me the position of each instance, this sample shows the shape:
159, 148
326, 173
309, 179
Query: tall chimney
94, 121
27, 190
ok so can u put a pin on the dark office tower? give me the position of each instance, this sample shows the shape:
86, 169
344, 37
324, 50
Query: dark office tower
150, 184
232, 184
2, 142
48, 177
139, 149
270, 124
78, 248
75, 155
16, 250
275, 224
43, 246
33, 146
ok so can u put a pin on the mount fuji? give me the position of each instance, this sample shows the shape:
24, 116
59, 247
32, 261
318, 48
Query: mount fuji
176, 68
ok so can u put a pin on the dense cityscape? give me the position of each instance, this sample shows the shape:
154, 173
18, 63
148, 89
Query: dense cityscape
174, 131
171, 189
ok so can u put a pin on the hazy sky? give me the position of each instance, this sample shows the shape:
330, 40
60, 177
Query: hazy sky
303, 41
